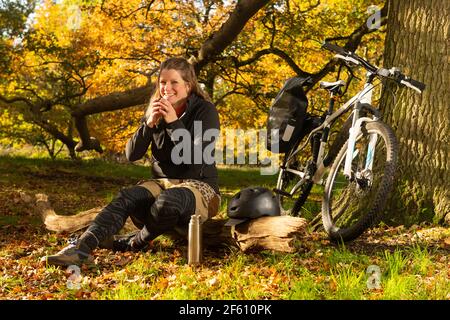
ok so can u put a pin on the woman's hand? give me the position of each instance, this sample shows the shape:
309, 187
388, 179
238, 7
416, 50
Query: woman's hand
166, 110
153, 115
161, 109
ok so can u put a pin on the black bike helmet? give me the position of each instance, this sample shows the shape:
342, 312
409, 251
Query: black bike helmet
252, 203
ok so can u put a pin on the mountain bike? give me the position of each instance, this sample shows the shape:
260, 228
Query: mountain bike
361, 161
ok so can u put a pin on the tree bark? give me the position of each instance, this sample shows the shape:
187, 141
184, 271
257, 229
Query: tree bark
417, 42
283, 233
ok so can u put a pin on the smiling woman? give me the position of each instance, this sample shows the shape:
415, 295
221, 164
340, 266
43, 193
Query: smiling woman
177, 190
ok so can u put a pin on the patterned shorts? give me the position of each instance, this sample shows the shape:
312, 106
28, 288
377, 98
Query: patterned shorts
207, 201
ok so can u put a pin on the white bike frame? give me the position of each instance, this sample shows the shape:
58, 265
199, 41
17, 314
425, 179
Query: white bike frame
363, 96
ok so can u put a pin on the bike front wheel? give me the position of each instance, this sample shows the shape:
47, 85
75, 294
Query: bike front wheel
353, 204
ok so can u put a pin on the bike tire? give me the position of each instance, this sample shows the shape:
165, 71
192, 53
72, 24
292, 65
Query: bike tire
292, 205
302, 196
349, 207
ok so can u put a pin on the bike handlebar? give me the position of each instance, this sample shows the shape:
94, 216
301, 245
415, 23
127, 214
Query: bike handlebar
393, 74
413, 84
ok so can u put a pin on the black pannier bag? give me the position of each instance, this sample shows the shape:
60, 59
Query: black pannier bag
287, 115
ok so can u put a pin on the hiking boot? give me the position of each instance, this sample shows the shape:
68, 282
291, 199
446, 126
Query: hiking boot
70, 255
121, 245
128, 244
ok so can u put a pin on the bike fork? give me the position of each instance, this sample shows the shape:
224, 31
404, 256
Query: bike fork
371, 151
354, 132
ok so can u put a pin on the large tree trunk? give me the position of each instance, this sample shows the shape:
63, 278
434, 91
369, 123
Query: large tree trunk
417, 42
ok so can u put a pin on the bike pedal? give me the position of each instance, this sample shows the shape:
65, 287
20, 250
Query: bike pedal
283, 193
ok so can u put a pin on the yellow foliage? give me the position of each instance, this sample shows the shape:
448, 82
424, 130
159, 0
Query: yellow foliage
112, 46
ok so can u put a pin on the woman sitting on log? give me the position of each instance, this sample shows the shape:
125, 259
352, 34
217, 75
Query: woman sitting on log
181, 126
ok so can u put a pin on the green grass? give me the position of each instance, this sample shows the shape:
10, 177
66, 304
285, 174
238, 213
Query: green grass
93, 167
422, 263
349, 282
395, 262
320, 270
306, 288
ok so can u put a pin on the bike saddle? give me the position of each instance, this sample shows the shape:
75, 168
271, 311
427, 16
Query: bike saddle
332, 85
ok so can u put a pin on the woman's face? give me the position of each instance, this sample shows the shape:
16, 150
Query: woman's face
172, 87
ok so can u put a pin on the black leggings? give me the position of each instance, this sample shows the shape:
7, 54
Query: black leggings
173, 207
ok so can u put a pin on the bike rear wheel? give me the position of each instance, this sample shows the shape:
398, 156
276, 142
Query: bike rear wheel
350, 206
304, 162
292, 205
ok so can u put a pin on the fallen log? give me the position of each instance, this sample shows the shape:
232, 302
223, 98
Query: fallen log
281, 233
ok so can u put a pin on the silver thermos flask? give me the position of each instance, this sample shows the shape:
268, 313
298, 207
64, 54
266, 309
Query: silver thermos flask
195, 240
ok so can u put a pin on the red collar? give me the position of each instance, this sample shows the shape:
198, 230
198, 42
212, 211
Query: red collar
181, 110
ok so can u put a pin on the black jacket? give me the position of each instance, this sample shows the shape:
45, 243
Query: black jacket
160, 137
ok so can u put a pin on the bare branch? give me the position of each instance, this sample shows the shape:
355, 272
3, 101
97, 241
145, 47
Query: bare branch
279, 53
87, 142
115, 101
53, 130
222, 98
353, 41
15, 99
218, 41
